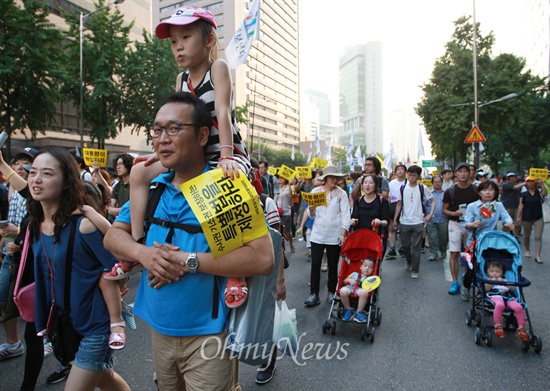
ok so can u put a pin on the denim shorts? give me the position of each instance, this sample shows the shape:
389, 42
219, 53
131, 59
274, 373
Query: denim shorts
5, 277
94, 353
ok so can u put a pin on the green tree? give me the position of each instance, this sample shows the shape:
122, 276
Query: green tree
511, 128
30, 67
150, 76
104, 59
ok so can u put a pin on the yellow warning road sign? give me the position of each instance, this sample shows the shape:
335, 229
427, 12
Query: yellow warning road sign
475, 136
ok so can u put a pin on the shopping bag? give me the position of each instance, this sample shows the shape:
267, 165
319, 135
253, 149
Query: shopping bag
250, 329
545, 213
285, 330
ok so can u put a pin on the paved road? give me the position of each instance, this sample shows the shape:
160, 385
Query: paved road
422, 343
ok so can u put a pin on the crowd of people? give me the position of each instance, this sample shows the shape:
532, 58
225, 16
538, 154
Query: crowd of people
60, 202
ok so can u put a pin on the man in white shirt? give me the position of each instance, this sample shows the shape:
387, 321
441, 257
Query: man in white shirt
410, 215
395, 188
447, 179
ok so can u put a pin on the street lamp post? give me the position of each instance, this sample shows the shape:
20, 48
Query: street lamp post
82, 18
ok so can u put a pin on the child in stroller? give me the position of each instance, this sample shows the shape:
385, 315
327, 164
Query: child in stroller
503, 296
353, 286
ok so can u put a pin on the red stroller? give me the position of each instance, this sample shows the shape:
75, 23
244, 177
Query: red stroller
361, 244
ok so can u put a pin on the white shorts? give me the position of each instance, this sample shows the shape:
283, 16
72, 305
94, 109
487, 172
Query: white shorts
457, 237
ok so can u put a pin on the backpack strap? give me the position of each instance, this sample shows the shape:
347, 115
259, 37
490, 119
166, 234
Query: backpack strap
152, 204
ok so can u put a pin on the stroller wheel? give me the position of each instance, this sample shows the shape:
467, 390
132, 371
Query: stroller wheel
468, 318
477, 319
363, 333
477, 336
526, 346
333, 327
371, 338
538, 344
378, 316
326, 326
489, 337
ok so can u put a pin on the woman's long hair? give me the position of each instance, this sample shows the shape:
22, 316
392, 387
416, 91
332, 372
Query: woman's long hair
71, 198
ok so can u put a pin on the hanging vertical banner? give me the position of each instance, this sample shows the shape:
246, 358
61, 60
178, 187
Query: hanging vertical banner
229, 211
238, 48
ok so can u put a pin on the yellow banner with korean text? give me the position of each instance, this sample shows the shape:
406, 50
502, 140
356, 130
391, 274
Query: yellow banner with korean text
541, 173
315, 199
286, 172
229, 211
91, 155
272, 170
318, 163
303, 171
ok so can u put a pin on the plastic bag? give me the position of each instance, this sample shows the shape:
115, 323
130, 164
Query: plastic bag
285, 329
250, 330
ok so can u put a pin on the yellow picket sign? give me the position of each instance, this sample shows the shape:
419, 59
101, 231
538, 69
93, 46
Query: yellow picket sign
315, 199
286, 172
427, 183
303, 171
272, 170
229, 211
541, 173
318, 163
95, 155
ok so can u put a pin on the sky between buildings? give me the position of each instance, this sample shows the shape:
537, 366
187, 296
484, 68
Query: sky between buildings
413, 32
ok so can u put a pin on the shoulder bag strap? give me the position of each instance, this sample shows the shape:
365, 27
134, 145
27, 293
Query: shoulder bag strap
69, 264
24, 254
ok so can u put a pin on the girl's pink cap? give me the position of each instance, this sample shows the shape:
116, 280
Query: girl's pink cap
183, 16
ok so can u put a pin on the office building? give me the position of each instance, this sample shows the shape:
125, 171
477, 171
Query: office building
361, 110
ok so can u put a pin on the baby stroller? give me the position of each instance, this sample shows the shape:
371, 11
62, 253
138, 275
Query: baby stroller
361, 244
503, 247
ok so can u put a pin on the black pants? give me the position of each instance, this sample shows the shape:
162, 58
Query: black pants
333, 256
34, 357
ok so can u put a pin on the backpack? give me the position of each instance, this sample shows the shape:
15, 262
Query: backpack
421, 187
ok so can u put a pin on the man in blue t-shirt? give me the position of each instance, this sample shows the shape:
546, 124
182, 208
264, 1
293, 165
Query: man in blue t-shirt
177, 292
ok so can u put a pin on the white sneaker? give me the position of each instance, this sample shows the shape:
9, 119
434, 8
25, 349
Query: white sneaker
48, 348
527, 254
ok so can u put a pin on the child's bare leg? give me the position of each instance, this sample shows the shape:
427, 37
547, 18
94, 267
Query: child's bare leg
363, 296
140, 181
344, 297
111, 294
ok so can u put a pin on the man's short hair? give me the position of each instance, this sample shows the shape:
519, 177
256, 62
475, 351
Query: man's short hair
375, 163
400, 165
201, 114
414, 169
445, 171
264, 162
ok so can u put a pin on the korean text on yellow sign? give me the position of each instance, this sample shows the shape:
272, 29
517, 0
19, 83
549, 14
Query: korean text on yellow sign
229, 211
272, 170
541, 173
95, 155
315, 199
286, 172
303, 171
318, 163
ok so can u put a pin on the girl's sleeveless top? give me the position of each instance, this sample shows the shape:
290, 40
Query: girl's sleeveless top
205, 91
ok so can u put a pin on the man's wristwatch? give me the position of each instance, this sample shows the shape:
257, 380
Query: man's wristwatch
192, 263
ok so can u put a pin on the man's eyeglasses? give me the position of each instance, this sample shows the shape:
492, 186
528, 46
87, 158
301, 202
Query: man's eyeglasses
171, 130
